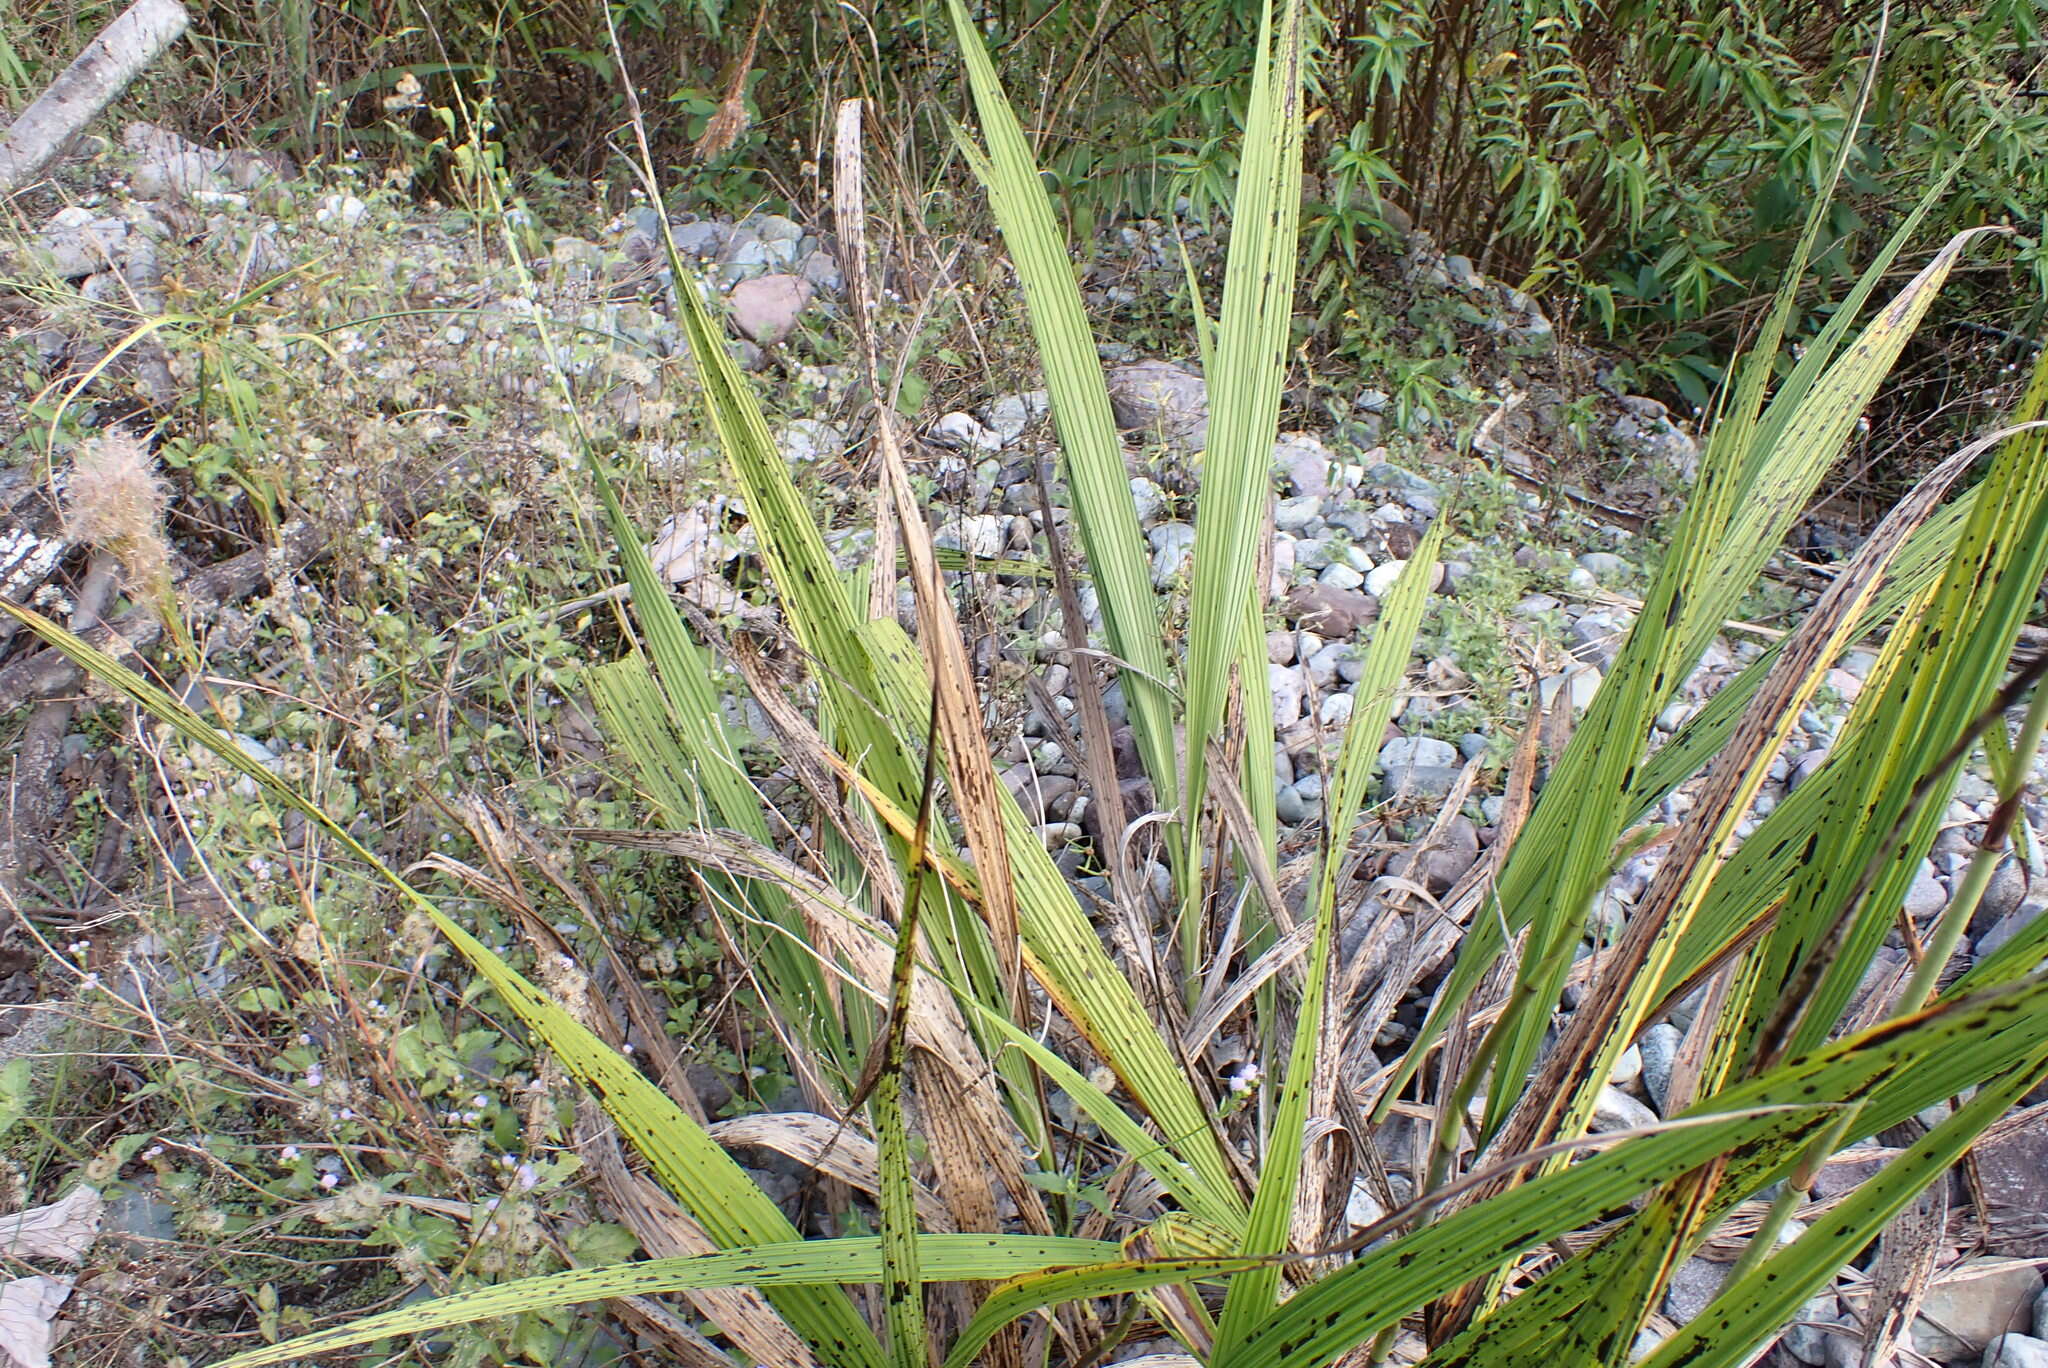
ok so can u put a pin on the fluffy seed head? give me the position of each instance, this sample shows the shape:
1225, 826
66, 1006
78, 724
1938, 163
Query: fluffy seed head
115, 500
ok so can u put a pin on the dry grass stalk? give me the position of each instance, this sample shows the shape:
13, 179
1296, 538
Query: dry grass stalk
731, 119
969, 772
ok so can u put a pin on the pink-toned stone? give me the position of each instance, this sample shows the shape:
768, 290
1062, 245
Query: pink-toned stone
765, 308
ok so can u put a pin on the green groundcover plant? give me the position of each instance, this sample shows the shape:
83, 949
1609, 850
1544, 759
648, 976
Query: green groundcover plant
1013, 1073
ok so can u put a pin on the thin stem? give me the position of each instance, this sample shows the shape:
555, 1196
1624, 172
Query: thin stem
1791, 1196
1948, 932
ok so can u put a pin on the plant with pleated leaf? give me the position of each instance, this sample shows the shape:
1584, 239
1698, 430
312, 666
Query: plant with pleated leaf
916, 942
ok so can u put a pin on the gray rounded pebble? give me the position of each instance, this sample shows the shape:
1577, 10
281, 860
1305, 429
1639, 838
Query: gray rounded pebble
2016, 1351
1288, 807
1805, 1338
1694, 1285
1928, 895
2004, 894
1604, 566
1660, 1050
1418, 750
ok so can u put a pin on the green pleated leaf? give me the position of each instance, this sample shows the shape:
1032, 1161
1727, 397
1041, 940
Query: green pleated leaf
1756, 476
1038, 1291
1953, 1046
1091, 452
811, 1263
1749, 1313
1252, 1293
1059, 939
1348, 1307
1252, 334
1938, 672
1890, 1073
640, 720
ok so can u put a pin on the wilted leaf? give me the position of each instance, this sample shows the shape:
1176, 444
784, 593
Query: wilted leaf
26, 1308
62, 1229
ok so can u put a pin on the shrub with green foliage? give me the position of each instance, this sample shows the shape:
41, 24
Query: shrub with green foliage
1652, 161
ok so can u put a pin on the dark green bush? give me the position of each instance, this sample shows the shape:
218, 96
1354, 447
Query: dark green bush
1653, 160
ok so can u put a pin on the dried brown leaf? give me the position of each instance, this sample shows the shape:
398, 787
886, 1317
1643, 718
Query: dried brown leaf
977, 796
63, 1229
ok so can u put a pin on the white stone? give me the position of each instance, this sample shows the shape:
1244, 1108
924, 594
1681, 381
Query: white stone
1173, 552
980, 535
1380, 582
1583, 683
961, 432
344, 210
1288, 689
1149, 500
1615, 1110
810, 439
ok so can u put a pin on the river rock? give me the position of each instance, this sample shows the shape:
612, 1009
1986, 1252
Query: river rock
1927, 895
1660, 1051
702, 239
1418, 750
2016, 1351
766, 309
1329, 611
1306, 462
1160, 398
2009, 926
1694, 1285
1011, 415
1806, 1338
1445, 862
1974, 1305
1288, 689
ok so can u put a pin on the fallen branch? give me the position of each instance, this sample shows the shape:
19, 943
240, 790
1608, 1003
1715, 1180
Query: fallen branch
124, 49
47, 672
